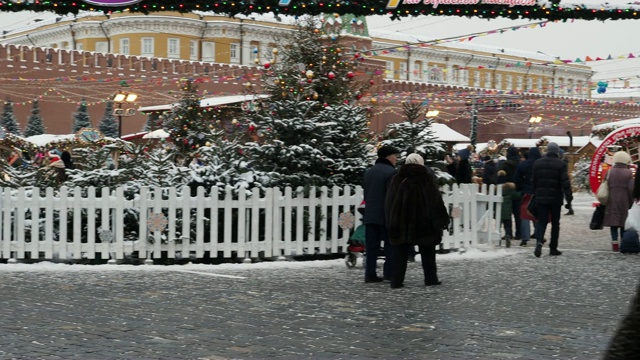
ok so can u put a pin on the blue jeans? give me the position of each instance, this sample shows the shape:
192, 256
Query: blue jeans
525, 230
614, 232
374, 235
542, 214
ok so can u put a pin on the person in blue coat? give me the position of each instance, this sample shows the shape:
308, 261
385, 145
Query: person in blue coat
376, 182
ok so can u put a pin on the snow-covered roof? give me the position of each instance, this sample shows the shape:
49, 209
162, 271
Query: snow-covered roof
156, 134
521, 143
44, 139
444, 133
480, 147
213, 101
616, 124
563, 141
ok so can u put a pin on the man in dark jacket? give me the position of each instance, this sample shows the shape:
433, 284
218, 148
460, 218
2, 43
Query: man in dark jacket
509, 166
522, 179
376, 181
490, 172
550, 182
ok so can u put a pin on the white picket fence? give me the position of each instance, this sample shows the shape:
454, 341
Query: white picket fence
169, 223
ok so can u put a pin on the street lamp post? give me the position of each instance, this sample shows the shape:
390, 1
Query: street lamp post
123, 97
533, 120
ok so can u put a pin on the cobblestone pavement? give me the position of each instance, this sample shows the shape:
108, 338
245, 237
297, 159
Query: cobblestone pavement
506, 307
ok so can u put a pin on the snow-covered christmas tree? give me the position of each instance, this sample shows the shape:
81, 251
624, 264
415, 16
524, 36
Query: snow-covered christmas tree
35, 126
8, 119
81, 117
311, 132
109, 125
416, 135
187, 126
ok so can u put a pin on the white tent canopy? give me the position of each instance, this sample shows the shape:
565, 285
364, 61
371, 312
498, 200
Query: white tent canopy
444, 133
563, 141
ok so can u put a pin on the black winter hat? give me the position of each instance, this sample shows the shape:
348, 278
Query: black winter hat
387, 150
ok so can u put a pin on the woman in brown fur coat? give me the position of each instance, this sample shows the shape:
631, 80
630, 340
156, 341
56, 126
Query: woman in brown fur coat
416, 215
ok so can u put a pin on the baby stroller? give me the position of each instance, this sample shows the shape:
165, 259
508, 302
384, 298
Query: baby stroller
356, 247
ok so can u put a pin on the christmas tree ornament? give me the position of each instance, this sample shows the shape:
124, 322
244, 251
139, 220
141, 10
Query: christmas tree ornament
256, 60
309, 74
331, 75
350, 74
275, 51
373, 100
267, 65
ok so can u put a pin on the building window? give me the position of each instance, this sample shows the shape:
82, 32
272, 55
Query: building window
255, 52
208, 51
498, 84
173, 48
476, 78
147, 47
389, 70
435, 74
455, 76
417, 70
403, 71
509, 85
124, 46
193, 50
80, 46
540, 85
234, 53
519, 83
529, 84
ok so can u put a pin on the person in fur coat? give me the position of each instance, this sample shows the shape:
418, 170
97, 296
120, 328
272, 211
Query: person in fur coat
416, 215
620, 183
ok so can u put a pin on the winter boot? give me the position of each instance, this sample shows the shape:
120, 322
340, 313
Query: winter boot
615, 246
507, 240
538, 251
523, 243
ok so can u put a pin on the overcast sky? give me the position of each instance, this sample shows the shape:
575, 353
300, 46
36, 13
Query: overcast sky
568, 40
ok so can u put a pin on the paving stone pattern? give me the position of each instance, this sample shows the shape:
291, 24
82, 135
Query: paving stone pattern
511, 307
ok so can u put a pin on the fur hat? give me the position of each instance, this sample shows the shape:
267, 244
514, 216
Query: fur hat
387, 150
414, 159
621, 157
553, 148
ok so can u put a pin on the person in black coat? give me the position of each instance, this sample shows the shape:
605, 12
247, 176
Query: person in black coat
376, 181
416, 215
490, 172
522, 179
625, 344
509, 167
464, 172
550, 185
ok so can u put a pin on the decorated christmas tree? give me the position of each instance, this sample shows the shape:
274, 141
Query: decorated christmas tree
416, 135
311, 130
315, 61
8, 120
109, 125
81, 117
186, 124
35, 126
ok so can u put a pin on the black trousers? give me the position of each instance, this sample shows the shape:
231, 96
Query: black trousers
400, 255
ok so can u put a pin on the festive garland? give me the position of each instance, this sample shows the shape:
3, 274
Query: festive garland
394, 8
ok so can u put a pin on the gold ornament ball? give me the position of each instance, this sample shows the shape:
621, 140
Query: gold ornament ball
234, 121
374, 100
274, 51
207, 144
368, 123
256, 60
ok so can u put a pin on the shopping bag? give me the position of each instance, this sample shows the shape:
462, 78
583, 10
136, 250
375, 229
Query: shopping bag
633, 218
603, 191
597, 218
527, 212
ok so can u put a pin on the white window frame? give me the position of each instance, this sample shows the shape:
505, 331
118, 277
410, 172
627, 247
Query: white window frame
173, 48
147, 47
435, 74
389, 72
498, 81
234, 53
125, 46
509, 85
193, 50
253, 55
209, 51
403, 70
417, 70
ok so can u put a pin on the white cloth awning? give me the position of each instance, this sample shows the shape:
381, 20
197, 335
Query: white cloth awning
208, 102
615, 124
156, 134
563, 141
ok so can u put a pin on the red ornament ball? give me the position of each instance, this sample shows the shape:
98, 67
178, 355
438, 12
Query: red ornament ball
267, 65
350, 74
331, 75
372, 82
